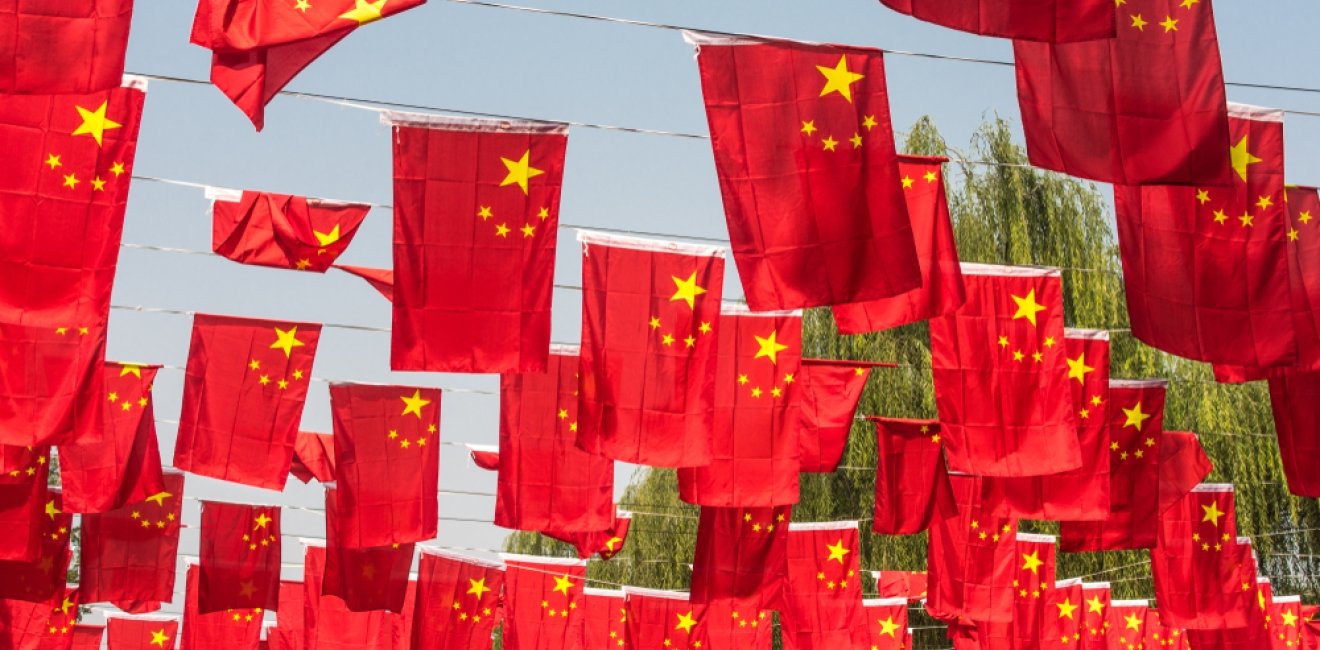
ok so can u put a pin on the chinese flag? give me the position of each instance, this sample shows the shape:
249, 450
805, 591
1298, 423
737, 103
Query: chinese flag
22, 497
830, 393
805, 156
970, 558
240, 557
1061, 618
754, 446
46, 625
486, 457
665, 619
1158, 635
1285, 622
18, 463
387, 463
650, 332
604, 619
543, 600
1252, 605
1095, 618
243, 397
51, 384
1001, 375
1143, 107
236, 629
910, 477
1294, 397
329, 624
382, 280
38, 580
289, 629
740, 556
1206, 268
286, 232
257, 47
606, 543
457, 599
141, 632
1136, 425
313, 457
1052, 21
1183, 465
823, 592
87, 637
907, 584
941, 290
886, 625
476, 217
128, 554
1197, 564
1082, 494
730, 625
367, 578
124, 466
1127, 623
63, 48
545, 482
1034, 582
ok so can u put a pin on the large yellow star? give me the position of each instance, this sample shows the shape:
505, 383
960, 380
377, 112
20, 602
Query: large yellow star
1133, 622
1066, 608
159, 498
1135, 418
130, 369
1212, 513
1095, 606
1032, 562
839, 79
687, 290
1077, 368
1241, 158
1289, 618
327, 238
94, 123
66, 605
837, 551
478, 587
685, 622
888, 626
563, 584
612, 542
520, 171
158, 637
1027, 307
286, 340
364, 12
414, 404
52, 510
769, 347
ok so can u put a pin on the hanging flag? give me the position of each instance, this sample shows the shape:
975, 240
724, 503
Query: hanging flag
366, 579
387, 463
128, 554
1285, 622
1136, 426
39, 580
805, 156
910, 477
240, 557
65, 48
545, 482
605, 543
476, 219
1033, 578
1162, 636
1196, 562
650, 311
257, 48
1100, 110
941, 290
243, 397
282, 231
87, 637
1183, 465
730, 625
543, 601
823, 592
236, 629
1127, 622
330, 624
1083, 494
907, 584
50, 386
665, 619
830, 393
755, 442
1096, 631
22, 497
313, 457
605, 619
46, 625
970, 558
1294, 397
486, 457
1206, 268
457, 599
141, 632
740, 556
289, 630
382, 280
1061, 619
1001, 374
886, 625
1252, 606
1052, 21
124, 466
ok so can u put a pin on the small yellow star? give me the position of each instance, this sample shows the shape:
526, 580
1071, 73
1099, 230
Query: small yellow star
98, 185
1139, 22
1247, 220
1220, 216
868, 122
856, 140
667, 339
302, 5
1293, 235
809, 127
655, 323
1203, 196
484, 212
53, 160
704, 328
1170, 24
929, 176
907, 182
829, 143
502, 230
117, 169
71, 181
364, 12
528, 230
1264, 203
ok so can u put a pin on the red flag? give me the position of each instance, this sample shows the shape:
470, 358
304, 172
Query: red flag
1196, 563
331, 625
1034, 578
1096, 632
1053, 21
38, 580
730, 626
606, 543
1083, 494
1001, 374
805, 155
648, 359
1206, 269
476, 215
486, 457
830, 392
1294, 398
282, 231
50, 386
141, 632
886, 624
313, 457
1311, 627
1254, 607
365, 579
63, 48
1127, 623
1103, 110
87, 637
387, 463
605, 619
545, 482
910, 477
457, 599
1286, 622
740, 556
290, 627
257, 48
21, 512
970, 558
665, 619
941, 290
543, 602
1183, 465
46, 625
382, 280
823, 592
128, 555
754, 446
124, 466
240, 557
236, 629
1063, 610
907, 584
243, 398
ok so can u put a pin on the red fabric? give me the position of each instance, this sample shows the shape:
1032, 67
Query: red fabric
42, 578
382, 280
1183, 465
740, 628
665, 619
1033, 579
387, 463
46, 625
330, 625
237, 629
1001, 376
486, 457
605, 619
475, 231
910, 476
22, 513
313, 457
1294, 398
823, 596
63, 48
805, 156
365, 579
1254, 598
141, 633
445, 581
18, 463
545, 482
970, 559
740, 556
754, 446
907, 584
830, 392
1063, 609
1311, 627
50, 387
1286, 623
886, 625
1160, 636
286, 232
243, 397
1054, 21
124, 466
87, 637
543, 601
1100, 109
1083, 494
1205, 269
128, 555
289, 631
1197, 563
1094, 614
650, 327
240, 557
605, 543
1127, 623
257, 48
941, 290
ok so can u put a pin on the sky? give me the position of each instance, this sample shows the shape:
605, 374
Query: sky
448, 55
